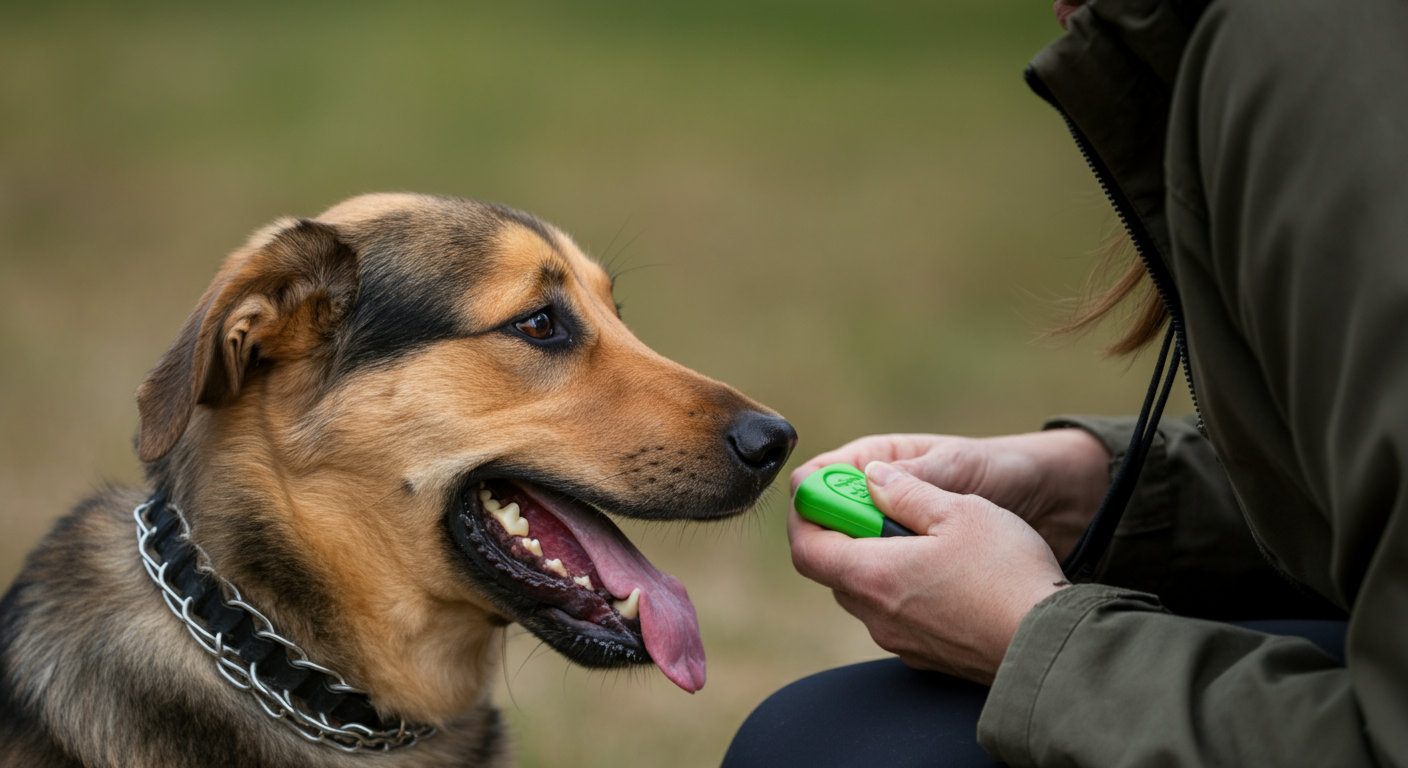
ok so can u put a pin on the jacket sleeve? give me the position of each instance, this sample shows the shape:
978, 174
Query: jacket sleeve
1294, 121
1102, 676
1183, 536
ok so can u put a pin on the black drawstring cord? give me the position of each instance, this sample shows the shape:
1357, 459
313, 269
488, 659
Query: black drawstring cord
1080, 564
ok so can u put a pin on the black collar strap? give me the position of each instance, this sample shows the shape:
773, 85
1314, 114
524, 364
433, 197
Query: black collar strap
1081, 562
313, 700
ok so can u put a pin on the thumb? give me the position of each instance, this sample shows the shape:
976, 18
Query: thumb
904, 498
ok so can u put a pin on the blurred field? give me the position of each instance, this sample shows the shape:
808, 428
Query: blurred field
852, 211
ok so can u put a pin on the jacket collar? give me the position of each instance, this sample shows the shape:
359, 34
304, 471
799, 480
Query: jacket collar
1112, 76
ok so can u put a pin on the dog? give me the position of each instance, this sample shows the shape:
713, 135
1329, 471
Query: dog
384, 434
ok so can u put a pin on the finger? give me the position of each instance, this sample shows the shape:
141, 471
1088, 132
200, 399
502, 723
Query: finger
856, 606
906, 499
954, 464
822, 555
838, 456
850, 604
883, 628
801, 473
824, 460
847, 454
862, 451
796, 524
945, 473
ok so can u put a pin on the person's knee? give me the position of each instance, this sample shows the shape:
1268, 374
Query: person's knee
874, 713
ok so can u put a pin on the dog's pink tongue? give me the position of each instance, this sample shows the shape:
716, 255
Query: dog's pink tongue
667, 619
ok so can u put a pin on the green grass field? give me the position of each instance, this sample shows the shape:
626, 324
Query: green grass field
852, 211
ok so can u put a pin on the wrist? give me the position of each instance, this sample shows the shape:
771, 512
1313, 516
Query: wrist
1077, 468
1018, 607
1080, 451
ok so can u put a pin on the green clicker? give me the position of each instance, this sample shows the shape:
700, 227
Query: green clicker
836, 497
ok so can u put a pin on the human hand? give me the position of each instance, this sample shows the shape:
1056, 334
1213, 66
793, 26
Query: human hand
949, 599
1054, 480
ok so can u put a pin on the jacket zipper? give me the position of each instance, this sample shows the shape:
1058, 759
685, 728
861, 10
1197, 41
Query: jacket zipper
1158, 272
1143, 242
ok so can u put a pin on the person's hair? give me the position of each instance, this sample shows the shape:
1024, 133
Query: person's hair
1133, 290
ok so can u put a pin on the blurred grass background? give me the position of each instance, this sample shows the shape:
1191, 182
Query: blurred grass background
852, 211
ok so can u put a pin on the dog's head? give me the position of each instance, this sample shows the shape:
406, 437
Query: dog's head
402, 421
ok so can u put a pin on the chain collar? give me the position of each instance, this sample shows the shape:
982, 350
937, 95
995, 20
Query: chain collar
314, 701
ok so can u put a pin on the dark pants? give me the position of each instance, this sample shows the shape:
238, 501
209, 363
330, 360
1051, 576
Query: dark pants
882, 713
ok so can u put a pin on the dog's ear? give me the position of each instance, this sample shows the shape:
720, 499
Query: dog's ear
275, 301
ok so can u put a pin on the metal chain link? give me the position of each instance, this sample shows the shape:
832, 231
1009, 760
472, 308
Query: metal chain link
278, 704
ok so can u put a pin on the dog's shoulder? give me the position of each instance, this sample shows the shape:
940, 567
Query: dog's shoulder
46, 608
95, 669
77, 578
24, 741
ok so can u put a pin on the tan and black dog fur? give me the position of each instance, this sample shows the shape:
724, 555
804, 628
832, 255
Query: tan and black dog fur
317, 420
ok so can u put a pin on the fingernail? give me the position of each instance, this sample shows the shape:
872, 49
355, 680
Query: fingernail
880, 473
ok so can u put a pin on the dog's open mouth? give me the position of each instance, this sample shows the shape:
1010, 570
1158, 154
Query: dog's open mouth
568, 574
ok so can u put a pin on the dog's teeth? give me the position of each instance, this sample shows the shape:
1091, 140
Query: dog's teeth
583, 581
515, 524
487, 499
630, 607
556, 566
509, 518
533, 546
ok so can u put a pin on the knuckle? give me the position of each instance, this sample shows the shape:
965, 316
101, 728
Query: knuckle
886, 637
802, 558
971, 504
907, 492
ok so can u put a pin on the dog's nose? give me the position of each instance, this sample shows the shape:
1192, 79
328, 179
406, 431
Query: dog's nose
762, 442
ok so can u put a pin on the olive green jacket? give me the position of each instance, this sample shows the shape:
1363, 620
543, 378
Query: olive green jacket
1262, 147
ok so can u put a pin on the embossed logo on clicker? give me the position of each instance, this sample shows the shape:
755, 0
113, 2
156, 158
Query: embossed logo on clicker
850, 486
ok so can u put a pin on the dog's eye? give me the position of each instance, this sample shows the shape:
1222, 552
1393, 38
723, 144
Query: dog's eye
538, 326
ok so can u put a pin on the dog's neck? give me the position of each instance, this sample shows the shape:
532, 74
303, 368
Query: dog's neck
85, 612
249, 651
422, 657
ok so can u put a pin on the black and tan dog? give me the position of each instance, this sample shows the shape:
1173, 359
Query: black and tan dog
383, 434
